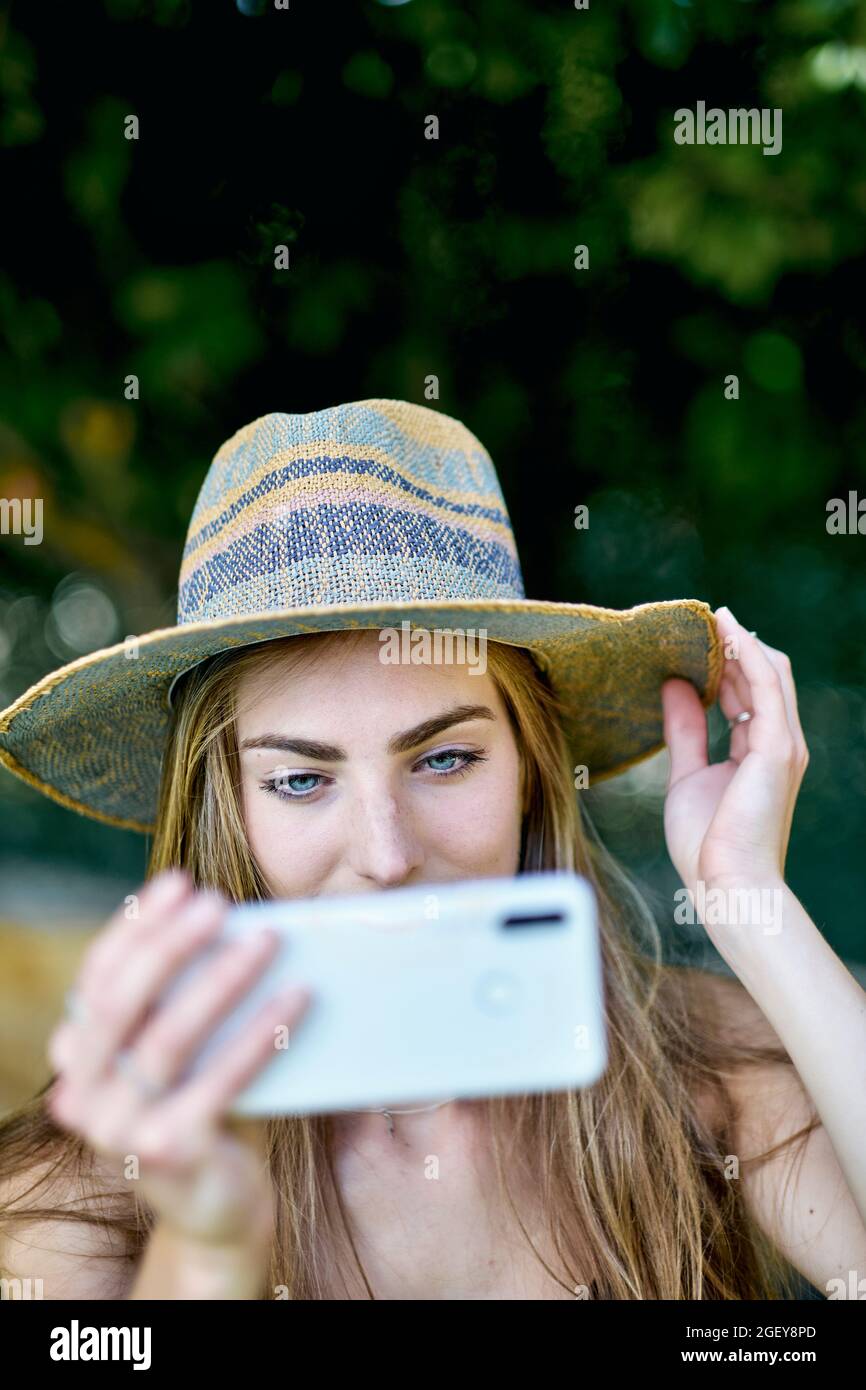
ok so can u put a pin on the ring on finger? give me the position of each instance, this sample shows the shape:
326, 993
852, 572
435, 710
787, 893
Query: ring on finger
125, 1064
740, 718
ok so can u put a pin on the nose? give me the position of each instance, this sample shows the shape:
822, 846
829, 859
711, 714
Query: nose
384, 846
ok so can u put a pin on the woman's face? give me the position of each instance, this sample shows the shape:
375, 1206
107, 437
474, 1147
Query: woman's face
361, 775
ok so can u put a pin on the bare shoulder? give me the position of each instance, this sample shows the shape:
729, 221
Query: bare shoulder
71, 1258
790, 1177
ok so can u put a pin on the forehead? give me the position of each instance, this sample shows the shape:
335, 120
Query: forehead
348, 680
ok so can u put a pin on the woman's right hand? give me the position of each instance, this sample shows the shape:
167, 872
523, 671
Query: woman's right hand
208, 1185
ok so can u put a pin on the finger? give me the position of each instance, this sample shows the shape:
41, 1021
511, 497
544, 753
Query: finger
171, 911
208, 1095
733, 674
158, 899
735, 699
106, 1110
782, 663
769, 732
111, 1103
685, 729
182, 1026
732, 671
112, 1122
163, 895
86, 1051
731, 704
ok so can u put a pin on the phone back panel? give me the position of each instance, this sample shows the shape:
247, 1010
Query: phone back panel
428, 993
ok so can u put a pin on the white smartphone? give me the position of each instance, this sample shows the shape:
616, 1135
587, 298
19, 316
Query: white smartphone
438, 991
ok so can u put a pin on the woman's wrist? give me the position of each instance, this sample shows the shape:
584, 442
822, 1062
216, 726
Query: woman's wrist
177, 1266
742, 914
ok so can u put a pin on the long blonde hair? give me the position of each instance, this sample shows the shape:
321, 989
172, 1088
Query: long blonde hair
631, 1172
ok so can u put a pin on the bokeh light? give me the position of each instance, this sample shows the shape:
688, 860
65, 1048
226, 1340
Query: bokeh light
82, 618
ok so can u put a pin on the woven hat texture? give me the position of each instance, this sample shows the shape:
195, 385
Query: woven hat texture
361, 515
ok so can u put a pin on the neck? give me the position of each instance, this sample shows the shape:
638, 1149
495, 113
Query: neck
413, 1127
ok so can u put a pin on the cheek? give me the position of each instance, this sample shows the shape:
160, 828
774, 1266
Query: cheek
261, 817
501, 819
266, 819
286, 849
482, 825
262, 828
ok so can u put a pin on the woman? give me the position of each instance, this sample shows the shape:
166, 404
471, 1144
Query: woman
723, 1144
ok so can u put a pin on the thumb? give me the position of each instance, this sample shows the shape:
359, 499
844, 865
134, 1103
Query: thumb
685, 728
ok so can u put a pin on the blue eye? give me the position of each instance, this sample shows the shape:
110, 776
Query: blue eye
286, 787
469, 760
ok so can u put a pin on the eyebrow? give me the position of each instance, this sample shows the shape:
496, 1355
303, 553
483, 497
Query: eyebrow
400, 743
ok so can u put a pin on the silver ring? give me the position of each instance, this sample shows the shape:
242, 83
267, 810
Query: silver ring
740, 718
124, 1063
76, 1009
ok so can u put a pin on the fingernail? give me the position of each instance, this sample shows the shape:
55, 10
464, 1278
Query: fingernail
166, 887
725, 609
205, 905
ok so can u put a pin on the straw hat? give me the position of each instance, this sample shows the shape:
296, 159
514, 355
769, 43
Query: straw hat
363, 515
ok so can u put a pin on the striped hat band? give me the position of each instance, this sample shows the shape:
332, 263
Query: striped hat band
368, 502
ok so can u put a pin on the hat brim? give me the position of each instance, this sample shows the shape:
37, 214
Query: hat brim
90, 735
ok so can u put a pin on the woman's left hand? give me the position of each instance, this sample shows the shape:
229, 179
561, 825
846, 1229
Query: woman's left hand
728, 823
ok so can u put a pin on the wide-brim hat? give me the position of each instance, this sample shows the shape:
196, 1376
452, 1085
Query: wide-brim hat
365, 515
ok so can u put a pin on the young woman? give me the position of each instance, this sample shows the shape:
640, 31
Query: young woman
723, 1146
